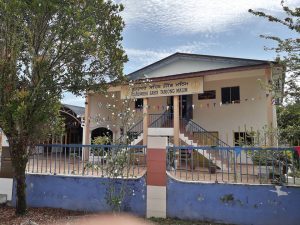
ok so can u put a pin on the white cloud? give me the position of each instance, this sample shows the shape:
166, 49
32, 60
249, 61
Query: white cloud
141, 57
145, 57
194, 16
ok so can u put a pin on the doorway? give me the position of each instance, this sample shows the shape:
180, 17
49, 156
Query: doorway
186, 107
170, 104
102, 132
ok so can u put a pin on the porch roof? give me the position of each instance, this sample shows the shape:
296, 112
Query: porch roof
78, 110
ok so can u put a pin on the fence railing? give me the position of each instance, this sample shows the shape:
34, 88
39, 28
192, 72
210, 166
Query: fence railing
164, 120
89, 160
234, 164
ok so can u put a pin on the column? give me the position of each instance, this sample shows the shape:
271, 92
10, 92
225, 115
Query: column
270, 109
156, 177
145, 120
86, 129
0, 140
176, 119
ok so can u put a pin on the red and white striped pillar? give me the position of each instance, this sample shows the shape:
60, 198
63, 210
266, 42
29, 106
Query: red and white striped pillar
156, 177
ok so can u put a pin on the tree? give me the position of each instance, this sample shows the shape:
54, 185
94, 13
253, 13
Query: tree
288, 49
289, 123
46, 48
121, 159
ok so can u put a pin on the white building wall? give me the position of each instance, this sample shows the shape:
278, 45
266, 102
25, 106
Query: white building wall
100, 116
227, 119
4, 141
156, 105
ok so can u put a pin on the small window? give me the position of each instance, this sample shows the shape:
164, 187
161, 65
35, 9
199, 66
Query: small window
139, 103
243, 139
207, 95
230, 95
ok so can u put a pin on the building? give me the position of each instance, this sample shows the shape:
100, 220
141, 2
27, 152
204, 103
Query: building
72, 119
192, 99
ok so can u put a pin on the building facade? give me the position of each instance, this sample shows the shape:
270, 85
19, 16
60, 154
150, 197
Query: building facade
192, 99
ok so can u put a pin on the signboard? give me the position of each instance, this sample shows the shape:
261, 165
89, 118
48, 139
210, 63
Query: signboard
164, 88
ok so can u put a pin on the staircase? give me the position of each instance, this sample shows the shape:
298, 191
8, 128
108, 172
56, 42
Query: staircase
188, 129
216, 156
135, 133
204, 138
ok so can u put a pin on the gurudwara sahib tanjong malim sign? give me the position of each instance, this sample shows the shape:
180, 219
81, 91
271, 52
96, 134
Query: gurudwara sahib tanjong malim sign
164, 88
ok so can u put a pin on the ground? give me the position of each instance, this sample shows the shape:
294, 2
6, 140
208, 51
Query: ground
41, 216
46, 216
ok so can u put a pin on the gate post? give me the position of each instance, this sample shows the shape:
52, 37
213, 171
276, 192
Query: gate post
156, 177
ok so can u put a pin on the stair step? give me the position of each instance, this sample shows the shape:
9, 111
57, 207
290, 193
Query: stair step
208, 154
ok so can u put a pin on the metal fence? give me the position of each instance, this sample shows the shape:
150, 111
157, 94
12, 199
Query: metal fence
234, 164
88, 160
164, 120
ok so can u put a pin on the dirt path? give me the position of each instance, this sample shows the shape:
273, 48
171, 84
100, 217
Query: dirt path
47, 216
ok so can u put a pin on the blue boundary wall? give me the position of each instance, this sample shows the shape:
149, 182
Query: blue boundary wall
233, 203
81, 193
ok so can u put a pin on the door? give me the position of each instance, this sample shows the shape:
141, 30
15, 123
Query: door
186, 107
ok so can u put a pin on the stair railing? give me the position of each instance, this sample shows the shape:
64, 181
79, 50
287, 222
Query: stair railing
164, 120
192, 127
135, 130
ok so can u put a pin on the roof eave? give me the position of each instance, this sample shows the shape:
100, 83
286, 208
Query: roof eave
209, 72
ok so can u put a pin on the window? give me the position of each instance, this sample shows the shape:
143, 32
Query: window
230, 95
243, 138
139, 103
207, 95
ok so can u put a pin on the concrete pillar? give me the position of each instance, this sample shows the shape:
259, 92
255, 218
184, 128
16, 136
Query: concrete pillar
145, 121
156, 177
176, 119
0, 139
86, 130
270, 110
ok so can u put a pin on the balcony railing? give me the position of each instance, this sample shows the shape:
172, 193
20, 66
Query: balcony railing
164, 120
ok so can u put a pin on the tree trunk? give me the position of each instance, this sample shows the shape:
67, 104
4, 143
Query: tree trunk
21, 204
19, 160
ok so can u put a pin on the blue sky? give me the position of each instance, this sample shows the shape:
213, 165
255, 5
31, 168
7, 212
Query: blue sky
157, 28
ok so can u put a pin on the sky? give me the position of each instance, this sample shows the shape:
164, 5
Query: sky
158, 28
